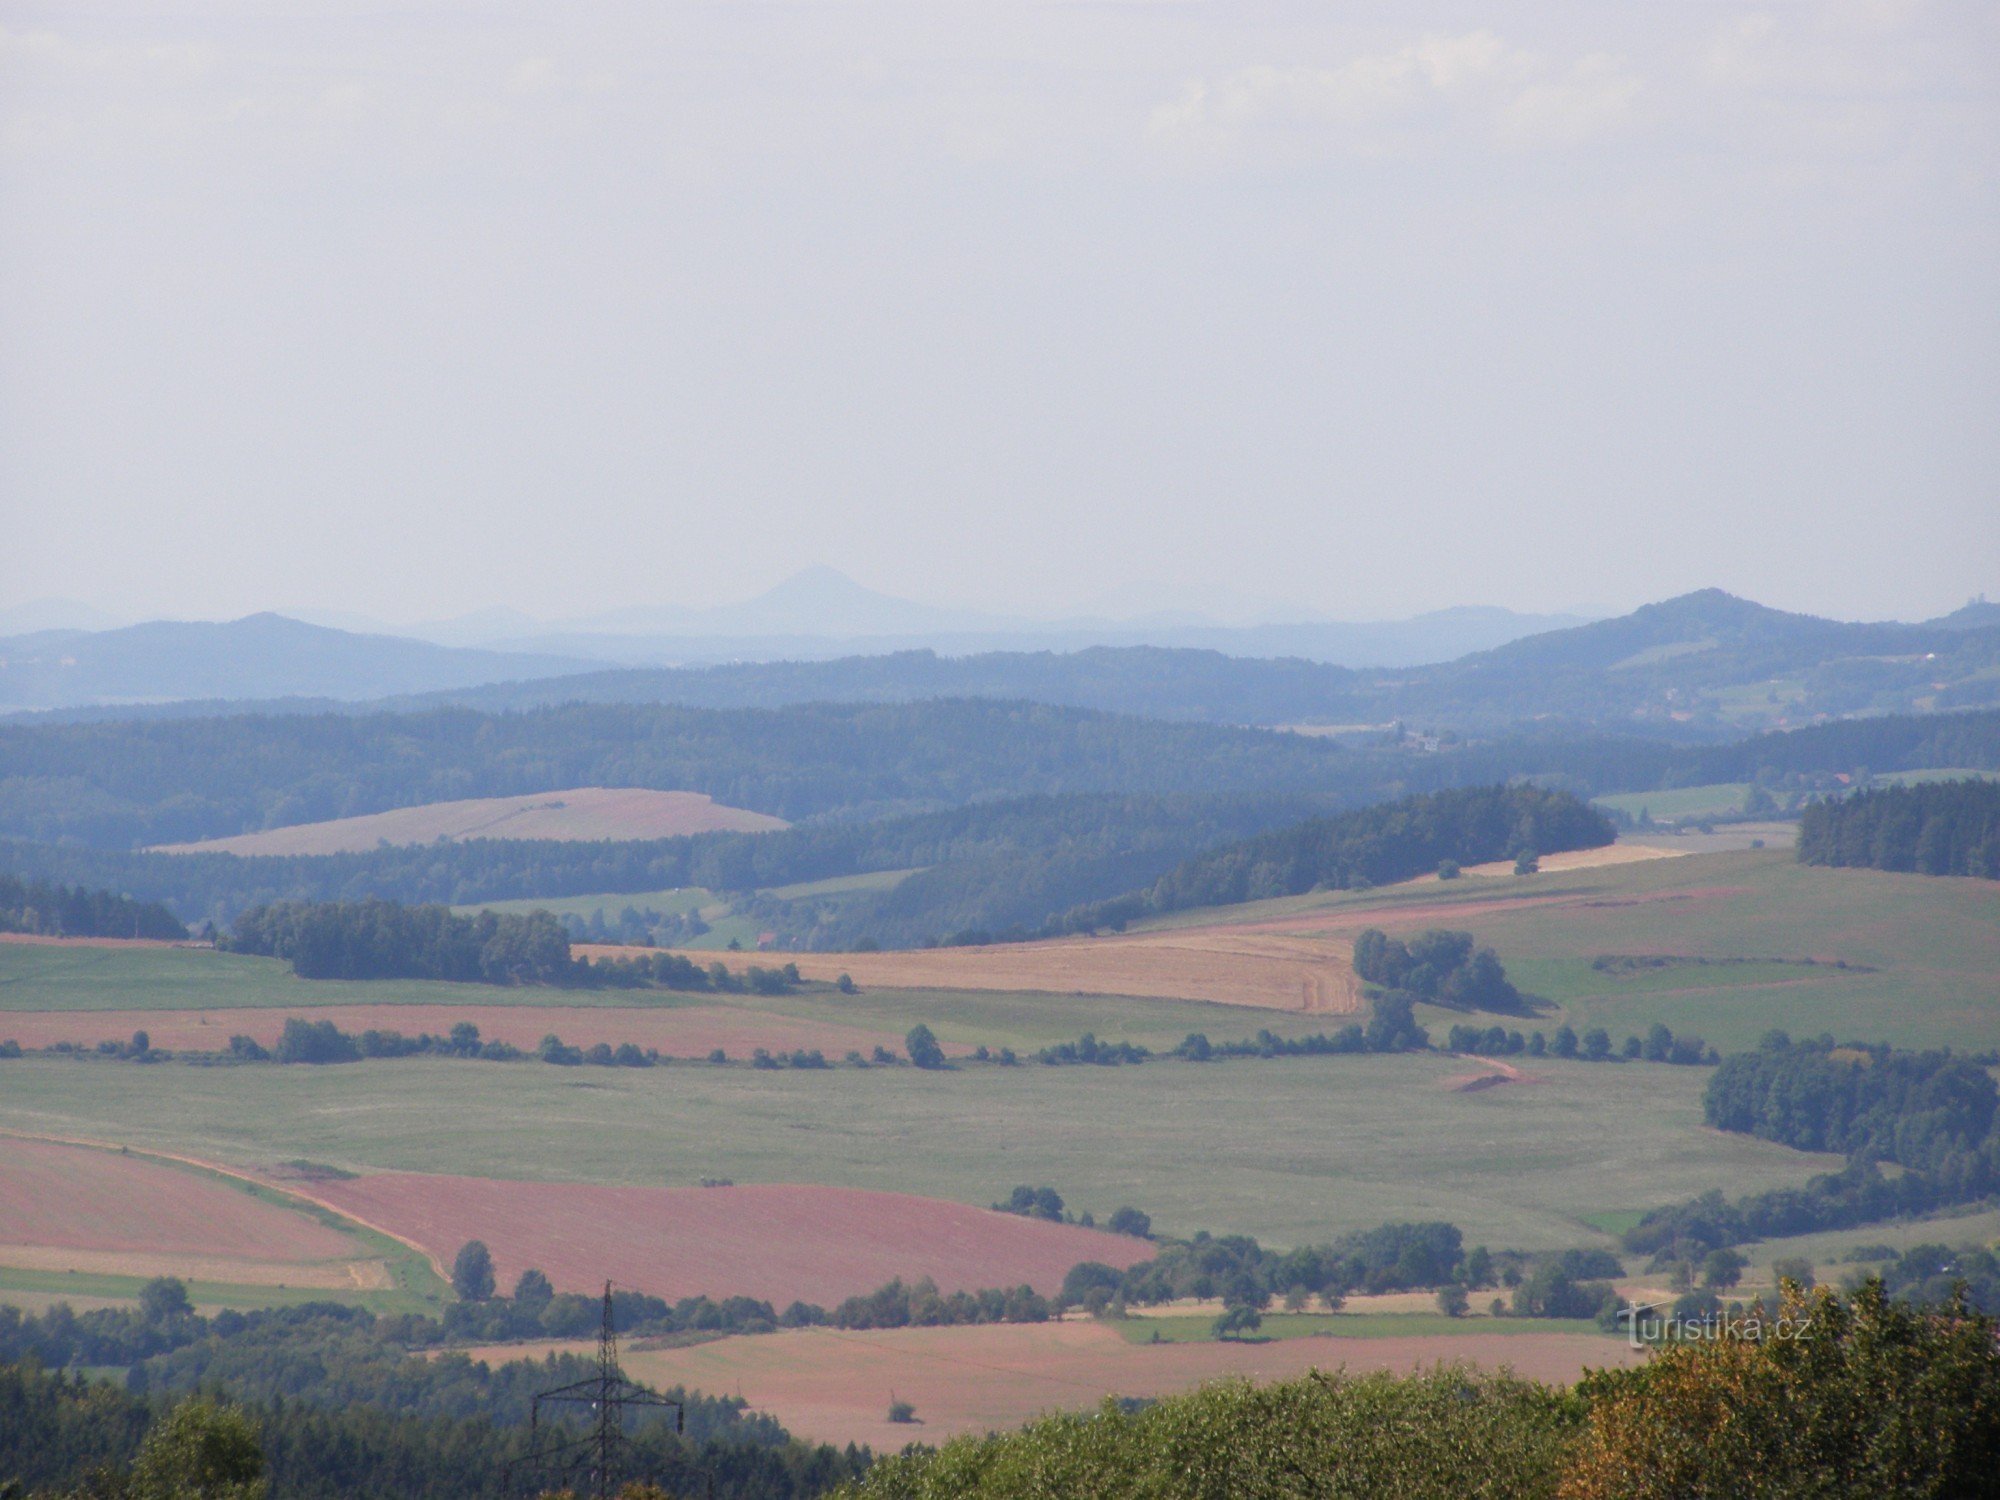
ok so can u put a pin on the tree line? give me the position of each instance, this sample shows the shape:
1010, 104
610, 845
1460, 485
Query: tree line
121, 783
1376, 845
1930, 1114
35, 906
377, 939
1935, 828
338, 1406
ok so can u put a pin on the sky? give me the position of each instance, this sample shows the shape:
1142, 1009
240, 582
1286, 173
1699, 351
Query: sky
1350, 310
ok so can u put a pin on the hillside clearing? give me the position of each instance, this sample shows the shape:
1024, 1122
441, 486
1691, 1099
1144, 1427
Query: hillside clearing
589, 812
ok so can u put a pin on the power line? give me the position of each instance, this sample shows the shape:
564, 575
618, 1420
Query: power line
601, 1458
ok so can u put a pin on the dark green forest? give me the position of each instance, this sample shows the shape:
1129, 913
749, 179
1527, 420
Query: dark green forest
34, 906
1939, 828
1929, 1114
1370, 846
117, 784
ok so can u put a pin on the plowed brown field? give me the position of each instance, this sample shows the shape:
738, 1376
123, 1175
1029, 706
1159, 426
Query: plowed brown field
693, 1031
774, 1241
832, 1386
589, 812
80, 1208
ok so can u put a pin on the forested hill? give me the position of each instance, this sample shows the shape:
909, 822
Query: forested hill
1669, 669
1370, 846
1703, 667
119, 784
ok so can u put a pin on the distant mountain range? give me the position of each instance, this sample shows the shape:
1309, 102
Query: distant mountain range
260, 656
1705, 665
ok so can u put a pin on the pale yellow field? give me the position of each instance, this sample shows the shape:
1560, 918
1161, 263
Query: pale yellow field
342, 1275
833, 1386
1228, 965
591, 812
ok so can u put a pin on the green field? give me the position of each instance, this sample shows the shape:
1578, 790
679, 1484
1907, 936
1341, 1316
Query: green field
1342, 1325
1923, 951
38, 977
671, 903
1719, 800
1290, 1150
724, 926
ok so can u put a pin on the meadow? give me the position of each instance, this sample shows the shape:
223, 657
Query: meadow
1289, 1150
1922, 953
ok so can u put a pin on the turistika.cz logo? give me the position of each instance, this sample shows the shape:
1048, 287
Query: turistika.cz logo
1646, 1327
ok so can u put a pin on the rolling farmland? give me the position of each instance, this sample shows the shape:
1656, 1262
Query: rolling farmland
1292, 1150
774, 1241
836, 1386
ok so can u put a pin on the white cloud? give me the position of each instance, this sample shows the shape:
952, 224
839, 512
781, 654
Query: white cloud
1474, 82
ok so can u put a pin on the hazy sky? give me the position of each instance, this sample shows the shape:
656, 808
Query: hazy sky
1359, 307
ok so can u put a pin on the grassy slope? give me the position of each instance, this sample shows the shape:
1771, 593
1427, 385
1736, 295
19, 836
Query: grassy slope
1289, 1150
1934, 944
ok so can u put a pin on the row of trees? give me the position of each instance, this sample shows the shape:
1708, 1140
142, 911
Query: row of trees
377, 939
1375, 845
1939, 828
1659, 1045
36, 906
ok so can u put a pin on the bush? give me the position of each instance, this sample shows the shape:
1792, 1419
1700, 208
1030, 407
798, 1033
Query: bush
1867, 1397
1448, 1434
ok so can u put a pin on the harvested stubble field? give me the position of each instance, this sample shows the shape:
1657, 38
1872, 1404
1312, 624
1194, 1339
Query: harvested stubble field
150, 986
692, 1031
77, 1208
834, 1386
1293, 1150
589, 812
779, 1242
1222, 965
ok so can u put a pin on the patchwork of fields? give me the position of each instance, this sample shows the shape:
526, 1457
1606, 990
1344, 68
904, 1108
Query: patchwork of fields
846, 1177
1292, 1150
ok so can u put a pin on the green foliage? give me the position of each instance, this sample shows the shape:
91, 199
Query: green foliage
71, 911
472, 1272
1448, 1434
1860, 1397
1374, 846
1923, 1110
113, 783
200, 1450
1439, 966
922, 1046
1938, 828
1237, 1320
